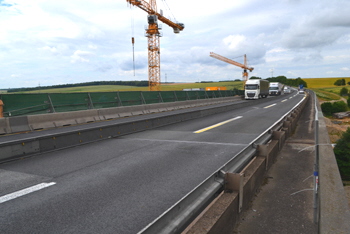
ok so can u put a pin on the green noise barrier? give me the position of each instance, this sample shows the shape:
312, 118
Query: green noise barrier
32, 104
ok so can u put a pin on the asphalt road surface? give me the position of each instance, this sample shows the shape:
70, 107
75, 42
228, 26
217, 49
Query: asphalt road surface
122, 184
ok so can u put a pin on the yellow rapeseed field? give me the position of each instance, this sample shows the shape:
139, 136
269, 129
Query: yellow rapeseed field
323, 82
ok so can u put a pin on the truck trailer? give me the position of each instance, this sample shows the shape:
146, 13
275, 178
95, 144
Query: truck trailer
256, 88
276, 88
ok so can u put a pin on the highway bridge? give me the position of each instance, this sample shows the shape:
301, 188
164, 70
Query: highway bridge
150, 173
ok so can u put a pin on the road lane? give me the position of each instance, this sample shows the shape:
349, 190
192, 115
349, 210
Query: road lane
122, 184
217, 125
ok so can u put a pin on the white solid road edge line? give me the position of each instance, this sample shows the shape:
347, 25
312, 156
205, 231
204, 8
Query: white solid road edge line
25, 191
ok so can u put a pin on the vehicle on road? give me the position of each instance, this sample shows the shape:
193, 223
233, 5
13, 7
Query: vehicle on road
287, 89
256, 89
276, 88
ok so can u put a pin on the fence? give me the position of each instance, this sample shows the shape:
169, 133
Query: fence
31, 104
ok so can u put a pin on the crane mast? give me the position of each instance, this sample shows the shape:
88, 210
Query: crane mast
153, 33
243, 66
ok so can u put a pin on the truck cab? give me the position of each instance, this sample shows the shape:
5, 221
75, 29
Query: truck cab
256, 89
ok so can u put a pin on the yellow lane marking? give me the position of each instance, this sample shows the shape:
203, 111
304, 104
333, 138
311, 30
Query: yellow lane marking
270, 105
217, 125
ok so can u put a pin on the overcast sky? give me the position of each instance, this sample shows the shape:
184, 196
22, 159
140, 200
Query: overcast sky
46, 42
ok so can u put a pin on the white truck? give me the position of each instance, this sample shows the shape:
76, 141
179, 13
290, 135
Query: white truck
276, 88
256, 88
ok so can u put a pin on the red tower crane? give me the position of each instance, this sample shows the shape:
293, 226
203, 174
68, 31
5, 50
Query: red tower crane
153, 34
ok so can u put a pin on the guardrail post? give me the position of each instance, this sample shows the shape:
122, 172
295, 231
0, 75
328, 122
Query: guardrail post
269, 151
280, 136
160, 97
175, 97
1, 109
220, 93
234, 182
90, 103
52, 108
143, 101
187, 97
119, 101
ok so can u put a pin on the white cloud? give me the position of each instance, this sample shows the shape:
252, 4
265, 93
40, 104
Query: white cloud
85, 40
81, 56
234, 42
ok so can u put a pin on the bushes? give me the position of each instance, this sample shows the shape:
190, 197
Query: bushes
344, 92
340, 82
342, 154
329, 108
339, 107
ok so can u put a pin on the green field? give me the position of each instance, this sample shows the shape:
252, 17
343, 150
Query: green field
323, 87
326, 96
165, 87
85, 89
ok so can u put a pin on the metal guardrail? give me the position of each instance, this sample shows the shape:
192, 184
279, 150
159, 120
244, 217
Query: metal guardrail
176, 218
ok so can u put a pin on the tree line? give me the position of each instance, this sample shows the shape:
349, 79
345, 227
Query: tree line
282, 79
341, 82
92, 83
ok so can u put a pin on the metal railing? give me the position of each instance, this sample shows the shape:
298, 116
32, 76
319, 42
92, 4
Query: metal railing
176, 218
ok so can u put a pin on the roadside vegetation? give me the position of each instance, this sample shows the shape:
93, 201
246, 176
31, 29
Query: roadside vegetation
334, 97
342, 154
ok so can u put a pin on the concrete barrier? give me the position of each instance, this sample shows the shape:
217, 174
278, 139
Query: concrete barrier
4, 126
335, 211
160, 107
1, 109
53, 120
19, 124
